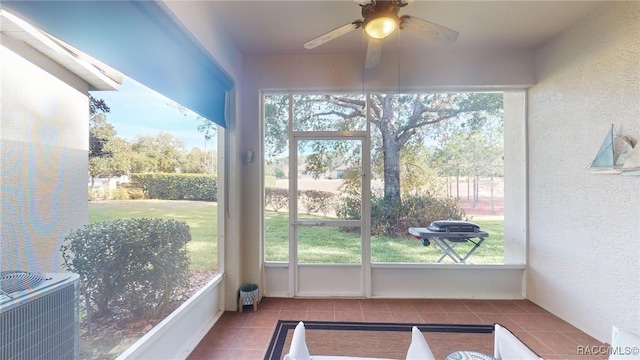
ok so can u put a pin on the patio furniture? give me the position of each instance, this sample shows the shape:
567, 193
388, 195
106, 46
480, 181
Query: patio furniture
446, 235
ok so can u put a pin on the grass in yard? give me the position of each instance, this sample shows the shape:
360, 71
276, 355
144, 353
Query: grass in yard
328, 245
411, 250
317, 244
201, 216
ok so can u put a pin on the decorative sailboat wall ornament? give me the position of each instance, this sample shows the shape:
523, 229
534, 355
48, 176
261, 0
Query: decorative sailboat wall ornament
612, 154
631, 165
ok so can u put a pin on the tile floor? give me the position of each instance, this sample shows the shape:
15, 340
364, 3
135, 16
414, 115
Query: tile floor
246, 335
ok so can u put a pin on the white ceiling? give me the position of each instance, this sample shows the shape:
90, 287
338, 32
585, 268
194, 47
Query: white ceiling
266, 27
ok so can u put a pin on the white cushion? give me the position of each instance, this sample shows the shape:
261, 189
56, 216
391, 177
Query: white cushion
624, 344
508, 347
419, 349
298, 349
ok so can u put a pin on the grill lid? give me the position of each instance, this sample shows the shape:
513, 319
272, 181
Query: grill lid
12, 281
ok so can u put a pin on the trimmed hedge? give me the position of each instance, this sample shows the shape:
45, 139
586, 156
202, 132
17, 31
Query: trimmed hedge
311, 201
317, 201
134, 264
276, 198
177, 186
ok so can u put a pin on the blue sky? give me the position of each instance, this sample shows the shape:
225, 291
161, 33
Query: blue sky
138, 110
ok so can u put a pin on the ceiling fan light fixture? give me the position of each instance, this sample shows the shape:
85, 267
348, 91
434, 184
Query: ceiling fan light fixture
381, 26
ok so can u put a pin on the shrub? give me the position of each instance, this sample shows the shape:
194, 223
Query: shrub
393, 221
276, 198
138, 263
133, 192
415, 211
349, 207
317, 201
177, 186
117, 194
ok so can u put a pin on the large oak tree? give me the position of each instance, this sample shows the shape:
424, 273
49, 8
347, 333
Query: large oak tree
398, 120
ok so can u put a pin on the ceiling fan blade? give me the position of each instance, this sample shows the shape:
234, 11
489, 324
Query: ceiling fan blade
374, 49
423, 27
342, 30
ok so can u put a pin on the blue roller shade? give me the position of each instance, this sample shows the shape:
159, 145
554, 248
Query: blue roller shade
139, 39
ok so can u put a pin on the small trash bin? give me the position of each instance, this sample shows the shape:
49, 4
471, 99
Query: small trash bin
248, 296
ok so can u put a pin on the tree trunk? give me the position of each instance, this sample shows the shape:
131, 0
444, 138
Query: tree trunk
391, 154
391, 173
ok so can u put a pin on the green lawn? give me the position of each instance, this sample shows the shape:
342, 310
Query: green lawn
201, 216
317, 244
328, 245
410, 249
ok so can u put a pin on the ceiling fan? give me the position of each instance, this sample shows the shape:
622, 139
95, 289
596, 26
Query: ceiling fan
380, 19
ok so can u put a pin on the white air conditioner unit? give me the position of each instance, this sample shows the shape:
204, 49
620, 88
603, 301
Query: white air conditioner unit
38, 316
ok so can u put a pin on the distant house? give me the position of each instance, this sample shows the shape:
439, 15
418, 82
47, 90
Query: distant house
44, 141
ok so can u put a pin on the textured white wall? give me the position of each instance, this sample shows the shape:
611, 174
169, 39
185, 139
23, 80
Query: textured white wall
584, 248
44, 139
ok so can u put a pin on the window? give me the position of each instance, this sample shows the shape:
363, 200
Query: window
151, 158
433, 156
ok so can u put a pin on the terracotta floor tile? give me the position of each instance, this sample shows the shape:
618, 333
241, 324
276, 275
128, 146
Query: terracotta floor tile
244, 354
501, 319
454, 306
582, 339
508, 306
263, 318
349, 316
292, 314
246, 335
557, 323
530, 307
480, 306
407, 317
539, 347
427, 305
220, 337
400, 306
294, 304
373, 305
436, 318
465, 318
374, 316
233, 319
557, 342
320, 315
252, 339
347, 305
531, 322
272, 304
321, 305
207, 353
